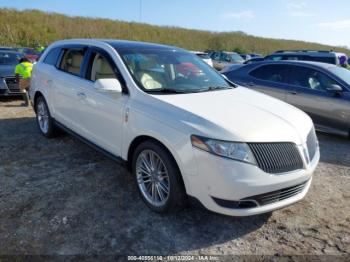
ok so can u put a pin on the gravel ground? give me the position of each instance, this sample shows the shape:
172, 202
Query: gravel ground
59, 196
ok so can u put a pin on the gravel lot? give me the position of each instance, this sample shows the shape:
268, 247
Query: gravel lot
61, 197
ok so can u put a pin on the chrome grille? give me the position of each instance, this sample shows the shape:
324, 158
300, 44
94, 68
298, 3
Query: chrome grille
276, 196
12, 84
312, 143
276, 158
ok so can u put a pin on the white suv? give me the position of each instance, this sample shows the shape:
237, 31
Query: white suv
183, 129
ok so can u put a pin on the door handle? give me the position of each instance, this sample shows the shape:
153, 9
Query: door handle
251, 84
81, 95
293, 92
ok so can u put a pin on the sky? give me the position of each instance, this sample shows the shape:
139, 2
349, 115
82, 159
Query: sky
320, 21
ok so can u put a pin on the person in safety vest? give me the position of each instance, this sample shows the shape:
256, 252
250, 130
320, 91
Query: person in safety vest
39, 48
23, 72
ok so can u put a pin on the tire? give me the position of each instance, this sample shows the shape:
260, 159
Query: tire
167, 177
44, 120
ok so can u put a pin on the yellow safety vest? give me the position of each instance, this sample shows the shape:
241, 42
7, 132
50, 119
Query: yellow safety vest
24, 69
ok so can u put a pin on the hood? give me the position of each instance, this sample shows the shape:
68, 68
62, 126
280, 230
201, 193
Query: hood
7, 70
243, 115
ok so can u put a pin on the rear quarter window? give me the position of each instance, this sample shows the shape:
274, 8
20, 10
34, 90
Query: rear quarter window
52, 56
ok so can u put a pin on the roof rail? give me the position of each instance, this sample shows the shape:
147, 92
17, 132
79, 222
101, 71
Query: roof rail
304, 51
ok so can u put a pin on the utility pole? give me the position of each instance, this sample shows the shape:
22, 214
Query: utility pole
140, 11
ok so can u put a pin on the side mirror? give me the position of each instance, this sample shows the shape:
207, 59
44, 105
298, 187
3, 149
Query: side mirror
108, 85
335, 88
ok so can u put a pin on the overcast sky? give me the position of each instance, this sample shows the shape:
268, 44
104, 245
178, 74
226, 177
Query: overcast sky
321, 21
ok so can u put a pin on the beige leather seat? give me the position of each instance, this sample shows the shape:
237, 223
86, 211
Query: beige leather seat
101, 69
149, 78
74, 63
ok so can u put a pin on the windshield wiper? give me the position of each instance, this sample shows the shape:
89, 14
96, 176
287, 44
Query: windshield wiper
166, 91
213, 88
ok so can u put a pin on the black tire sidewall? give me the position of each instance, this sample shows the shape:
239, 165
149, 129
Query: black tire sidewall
176, 191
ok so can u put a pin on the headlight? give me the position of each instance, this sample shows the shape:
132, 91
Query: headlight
233, 150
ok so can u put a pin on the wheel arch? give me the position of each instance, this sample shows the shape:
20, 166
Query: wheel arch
36, 96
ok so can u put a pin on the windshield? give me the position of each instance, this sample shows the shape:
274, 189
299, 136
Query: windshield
342, 73
171, 71
232, 57
7, 58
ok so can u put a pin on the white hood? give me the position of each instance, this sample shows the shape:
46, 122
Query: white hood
241, 114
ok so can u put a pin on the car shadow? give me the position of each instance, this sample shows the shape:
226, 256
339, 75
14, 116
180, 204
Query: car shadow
62, 197
334, 149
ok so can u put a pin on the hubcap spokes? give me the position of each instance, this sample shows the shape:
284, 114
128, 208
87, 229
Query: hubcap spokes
43, 117
152, 178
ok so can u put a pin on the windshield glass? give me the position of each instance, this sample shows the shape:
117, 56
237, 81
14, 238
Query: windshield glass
342, 73
7, 58
232, 57
172, 71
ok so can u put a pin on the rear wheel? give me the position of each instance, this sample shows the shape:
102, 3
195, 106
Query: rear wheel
45, 121
158, 178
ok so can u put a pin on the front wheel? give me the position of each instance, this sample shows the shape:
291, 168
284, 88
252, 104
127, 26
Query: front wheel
45, 122
158, 178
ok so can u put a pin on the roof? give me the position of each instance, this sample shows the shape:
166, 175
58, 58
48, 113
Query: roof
119, 44
10, 51
124, 44
297, 62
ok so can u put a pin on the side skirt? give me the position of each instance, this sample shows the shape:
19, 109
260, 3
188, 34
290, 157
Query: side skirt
113, 157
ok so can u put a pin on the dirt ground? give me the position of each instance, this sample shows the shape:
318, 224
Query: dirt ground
60, 197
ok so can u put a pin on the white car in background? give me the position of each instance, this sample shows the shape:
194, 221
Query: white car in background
194, 134
204, 56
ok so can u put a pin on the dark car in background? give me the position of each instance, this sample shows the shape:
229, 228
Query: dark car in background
321, 90
8, 61
222, 59
329, 57
30, 53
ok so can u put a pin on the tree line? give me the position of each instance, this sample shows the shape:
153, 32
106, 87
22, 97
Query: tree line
29, 27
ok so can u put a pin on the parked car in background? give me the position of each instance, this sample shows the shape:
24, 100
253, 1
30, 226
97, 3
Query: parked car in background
8, 61
30, 53
254, 60
245, 56
222, 59
256, 55
204, 56
321, 90
6, 48
329, 57
182, 135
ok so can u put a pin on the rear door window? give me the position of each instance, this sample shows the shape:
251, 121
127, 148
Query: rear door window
72, 61
272, 73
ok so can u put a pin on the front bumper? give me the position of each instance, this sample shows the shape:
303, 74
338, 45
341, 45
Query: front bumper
229, 180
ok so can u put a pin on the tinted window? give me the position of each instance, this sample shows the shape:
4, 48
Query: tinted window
52, 56
72, 61
310, 78
215, 56
203, 56
273, 73
328, 60
100, 68
9, 58
274, 58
